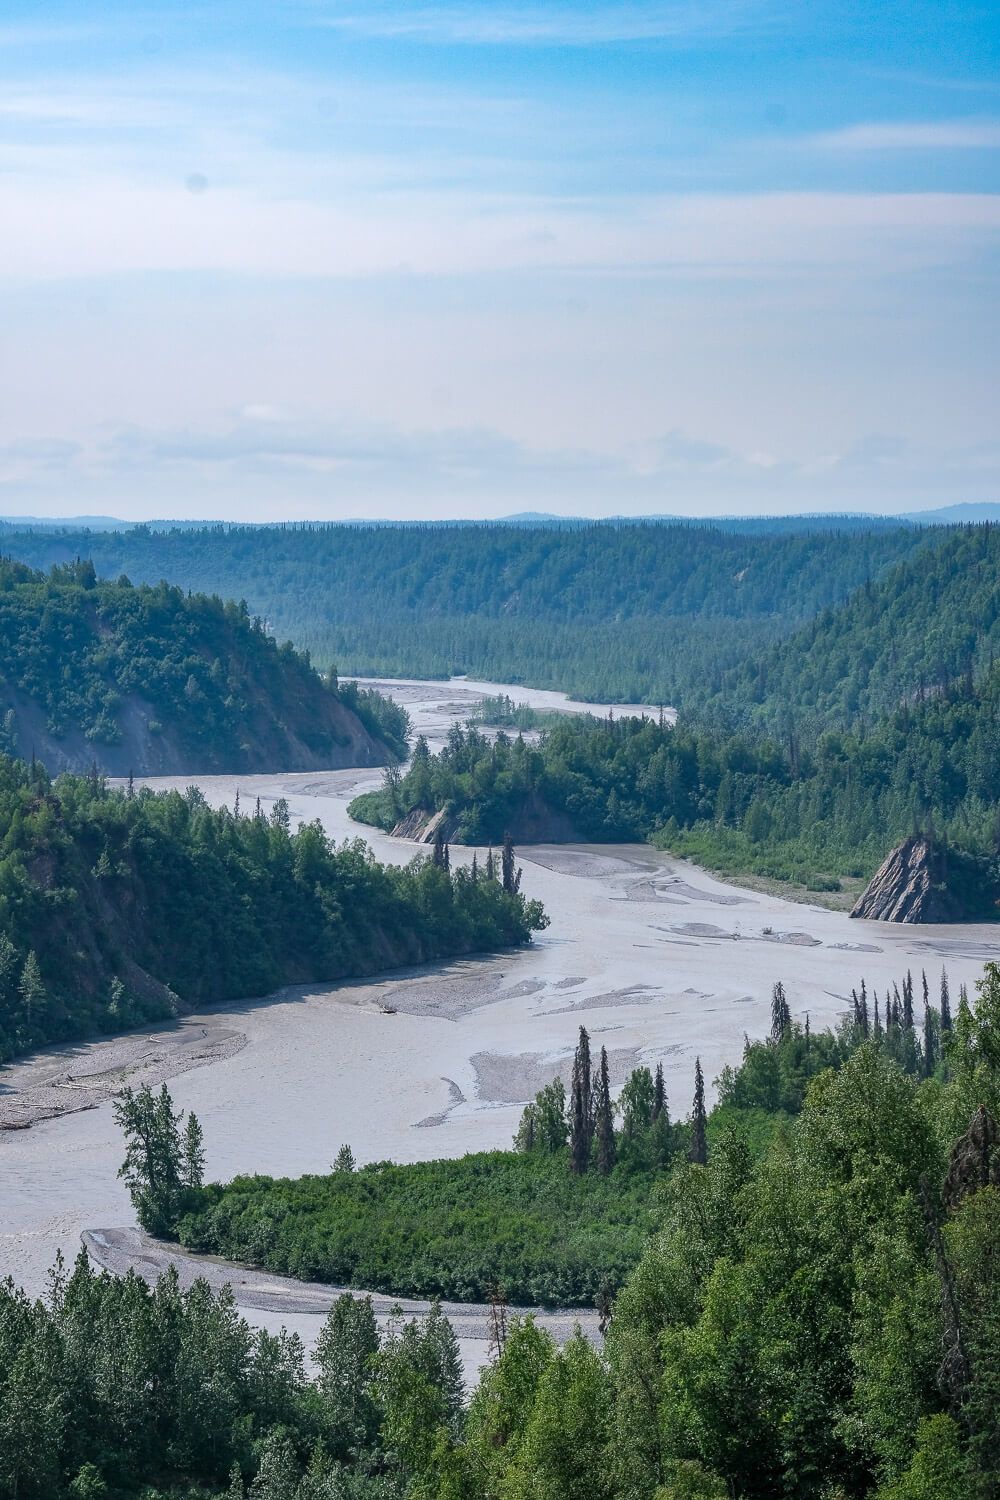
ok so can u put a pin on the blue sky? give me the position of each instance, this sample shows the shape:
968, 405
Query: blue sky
318, 259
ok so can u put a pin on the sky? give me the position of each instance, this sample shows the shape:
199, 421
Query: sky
393, 258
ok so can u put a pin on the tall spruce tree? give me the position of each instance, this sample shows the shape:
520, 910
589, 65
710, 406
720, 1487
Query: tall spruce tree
193, 1153
510, 878
699, 1118
659, 1094
604, 1119
581, 1108
8, 968
781, 1016
930, 1042
945, 1004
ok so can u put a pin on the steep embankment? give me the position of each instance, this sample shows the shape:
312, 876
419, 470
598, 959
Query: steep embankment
117, 908
158, 682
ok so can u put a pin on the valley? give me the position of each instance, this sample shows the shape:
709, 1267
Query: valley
659, 960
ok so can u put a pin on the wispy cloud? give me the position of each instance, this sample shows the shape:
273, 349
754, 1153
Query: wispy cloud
331, 467
85, 225
554, 25
913, 135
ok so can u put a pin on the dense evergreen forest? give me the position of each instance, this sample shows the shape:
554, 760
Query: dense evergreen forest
118, 907
733, 801
930, 620
816, 1317
152, 679
631, 611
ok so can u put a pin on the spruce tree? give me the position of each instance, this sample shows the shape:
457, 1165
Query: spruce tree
509, 878
781, 1016
193, 1153
581, 1109
659, 1094
908, 1001
930, 1042
604, 1119
945, 1004
31, 989
8, 968
699, 1141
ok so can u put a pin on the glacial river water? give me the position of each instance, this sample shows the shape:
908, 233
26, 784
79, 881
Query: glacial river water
658, 959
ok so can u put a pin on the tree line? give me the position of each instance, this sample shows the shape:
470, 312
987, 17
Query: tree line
119, 906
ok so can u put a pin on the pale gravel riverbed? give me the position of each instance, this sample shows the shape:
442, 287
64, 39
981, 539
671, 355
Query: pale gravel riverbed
659, 960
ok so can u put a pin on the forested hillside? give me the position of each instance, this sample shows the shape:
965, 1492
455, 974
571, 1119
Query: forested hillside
630, 611
117, 908
154, 680
931, 619
734, 801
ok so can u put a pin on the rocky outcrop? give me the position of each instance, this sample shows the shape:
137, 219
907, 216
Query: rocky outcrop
535, 822
921, 882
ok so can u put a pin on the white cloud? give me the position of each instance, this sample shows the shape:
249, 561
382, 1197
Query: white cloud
305, 466
554, 25
73, 226
916, 135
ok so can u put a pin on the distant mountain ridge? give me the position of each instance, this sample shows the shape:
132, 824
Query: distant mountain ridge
947, 515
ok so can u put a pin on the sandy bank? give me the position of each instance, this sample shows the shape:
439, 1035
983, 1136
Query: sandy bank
123, 1250
78, 1076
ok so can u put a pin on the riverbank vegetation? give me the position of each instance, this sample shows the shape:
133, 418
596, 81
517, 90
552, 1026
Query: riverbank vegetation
121, 906
735, 801
155, 679
501, 711
559, 1221
816, 1318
